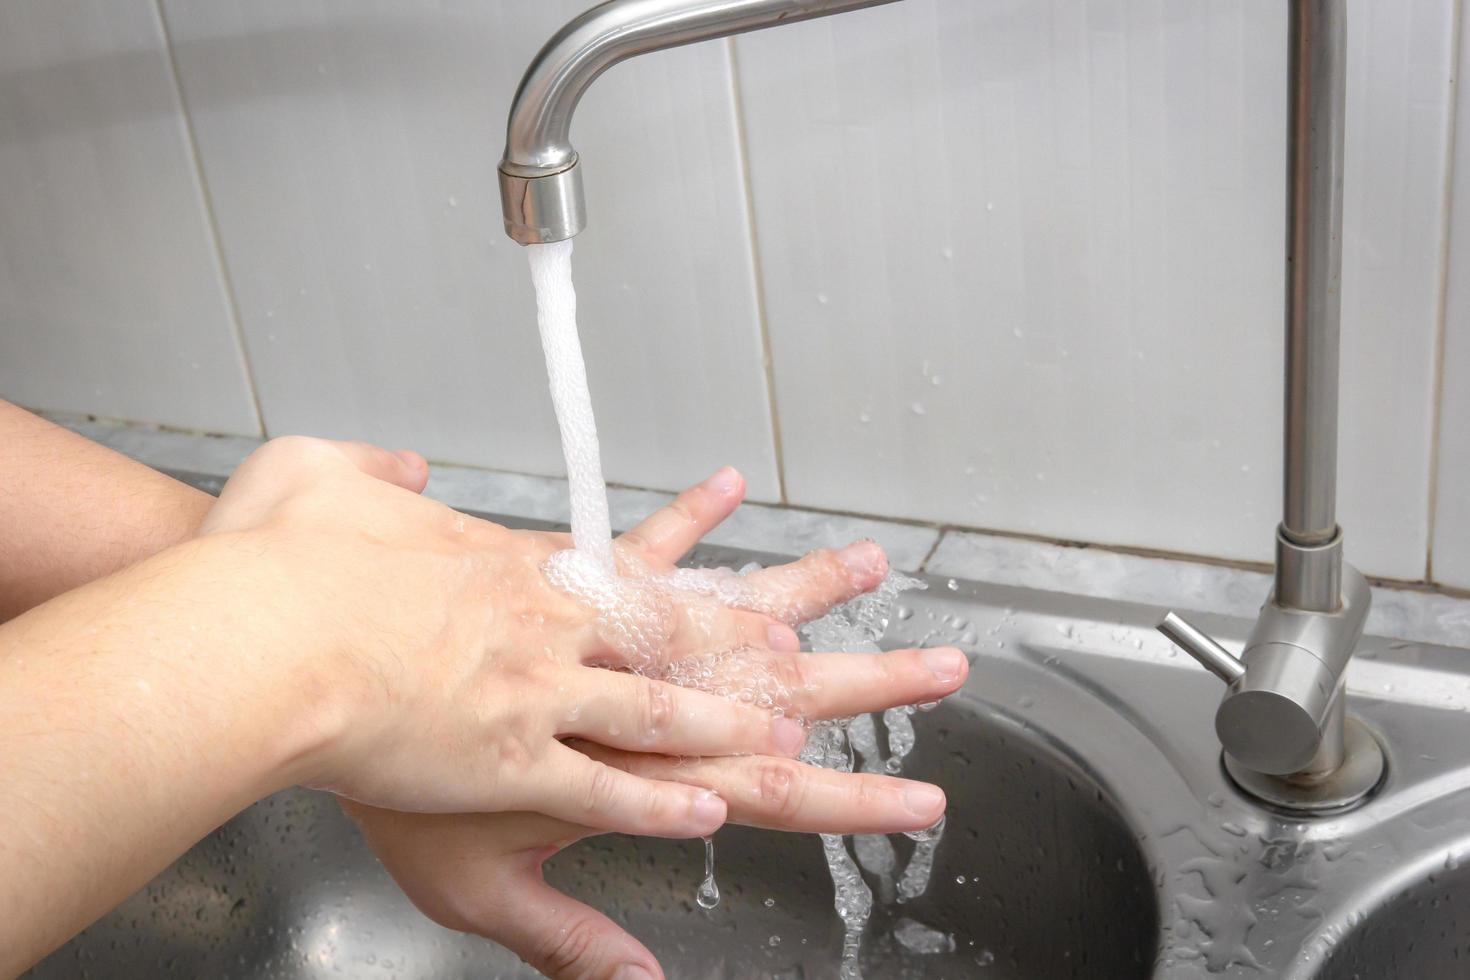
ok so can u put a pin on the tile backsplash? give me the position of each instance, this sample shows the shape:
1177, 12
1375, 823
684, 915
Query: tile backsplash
1012, 265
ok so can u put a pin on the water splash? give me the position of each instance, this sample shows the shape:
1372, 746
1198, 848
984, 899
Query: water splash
919, 938
855, 627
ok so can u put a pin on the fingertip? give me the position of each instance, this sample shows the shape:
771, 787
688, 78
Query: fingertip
925, 801
726, 481
789, 737
417, 466
636, 971
866, 563
781, 638
707, 813
949, 665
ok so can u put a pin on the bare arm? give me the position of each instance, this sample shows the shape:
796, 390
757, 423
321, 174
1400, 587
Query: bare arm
137, 713
72, 511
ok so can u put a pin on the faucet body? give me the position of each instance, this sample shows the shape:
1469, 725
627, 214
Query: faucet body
540, 183
1282, 722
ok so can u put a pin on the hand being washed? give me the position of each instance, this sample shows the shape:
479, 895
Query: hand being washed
481, 873
455, 672
330, 627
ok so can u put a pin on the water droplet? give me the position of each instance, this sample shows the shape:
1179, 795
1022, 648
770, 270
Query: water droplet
917, 408
708, 895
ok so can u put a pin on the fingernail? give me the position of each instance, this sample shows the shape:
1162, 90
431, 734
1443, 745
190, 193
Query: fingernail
945, 664
632, 972
864, 559
410, 457
782, 638
708, 809
923, 800
724, 480
790, 736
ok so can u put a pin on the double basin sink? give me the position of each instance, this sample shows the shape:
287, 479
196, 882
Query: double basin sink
1092, 834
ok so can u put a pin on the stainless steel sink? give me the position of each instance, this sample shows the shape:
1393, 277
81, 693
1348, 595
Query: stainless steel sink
1092, 834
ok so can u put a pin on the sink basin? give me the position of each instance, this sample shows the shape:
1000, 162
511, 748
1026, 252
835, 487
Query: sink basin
1092, 834
1053, 886
1422, 932
1036, 877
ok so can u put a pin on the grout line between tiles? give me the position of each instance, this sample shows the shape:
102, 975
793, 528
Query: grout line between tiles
943, 530
768, 362
206, 200
933, 550
1436, 423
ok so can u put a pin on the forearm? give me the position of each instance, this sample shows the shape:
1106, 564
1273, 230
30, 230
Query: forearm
137, 713
72, 511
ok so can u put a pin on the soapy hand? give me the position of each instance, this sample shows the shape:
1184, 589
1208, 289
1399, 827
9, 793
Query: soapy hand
452, 673
481, 873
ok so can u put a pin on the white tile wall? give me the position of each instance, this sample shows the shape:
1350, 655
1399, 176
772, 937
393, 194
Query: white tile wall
1022, 259
1023, 265
1452, 507
111, 299
351, 149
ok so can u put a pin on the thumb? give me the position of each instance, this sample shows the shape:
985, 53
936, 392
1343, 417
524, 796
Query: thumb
401, 467
563, 938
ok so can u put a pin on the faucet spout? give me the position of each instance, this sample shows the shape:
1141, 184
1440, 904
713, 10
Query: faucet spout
540, 184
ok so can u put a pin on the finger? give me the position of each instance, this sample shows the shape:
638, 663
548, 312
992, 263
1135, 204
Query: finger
404, 468
646, 715
781, 794
837, 685
806, 589
708, 628
561, 937
586, 792
486, 879
668, 533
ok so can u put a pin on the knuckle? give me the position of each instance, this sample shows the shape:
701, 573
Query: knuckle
601, 790
656, 709
635, 540
865, 794
780, 788
564, 953
794, 674
679, 507
295, 449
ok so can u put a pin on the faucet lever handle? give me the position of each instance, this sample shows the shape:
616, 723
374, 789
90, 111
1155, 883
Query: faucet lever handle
1211, 655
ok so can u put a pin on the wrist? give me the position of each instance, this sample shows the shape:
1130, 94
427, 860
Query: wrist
285, 658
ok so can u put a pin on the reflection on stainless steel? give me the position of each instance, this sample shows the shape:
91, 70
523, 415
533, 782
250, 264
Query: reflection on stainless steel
1095, 833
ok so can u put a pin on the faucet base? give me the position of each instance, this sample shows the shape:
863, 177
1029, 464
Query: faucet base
1344, 788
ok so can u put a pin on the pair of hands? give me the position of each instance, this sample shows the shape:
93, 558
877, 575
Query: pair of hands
475, 719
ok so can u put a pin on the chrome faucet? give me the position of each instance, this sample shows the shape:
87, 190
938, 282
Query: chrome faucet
1282, 722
